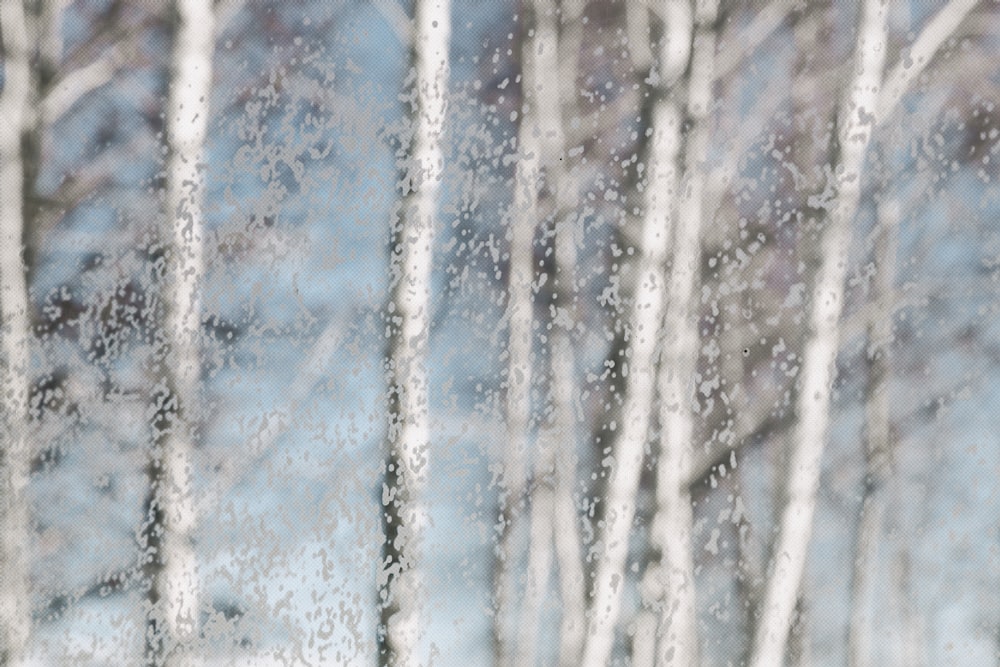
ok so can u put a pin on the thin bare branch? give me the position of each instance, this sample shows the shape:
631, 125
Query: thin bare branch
764, 24
915, 60
72, 87
400, 24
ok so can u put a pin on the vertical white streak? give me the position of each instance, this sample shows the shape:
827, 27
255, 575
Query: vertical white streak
673, 523
187, 122
524, 216
637, 25
644, 334
549, 64
856, 118
644, 640
558, 63
565, 523
411, 443
15, 613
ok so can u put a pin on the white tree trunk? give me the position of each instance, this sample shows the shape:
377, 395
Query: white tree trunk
409, 431
524, 221
565, 519
15, 334
673, 522
855, 123
646, 317
876, 94
176, 584
554, 520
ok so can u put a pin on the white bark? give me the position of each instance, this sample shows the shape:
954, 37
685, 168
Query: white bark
565, 519
555, 534
186, 125
410, 309
855, 122
672, 525
524, 218
559, 63
554, 521
15, 334
644, 332
914, 60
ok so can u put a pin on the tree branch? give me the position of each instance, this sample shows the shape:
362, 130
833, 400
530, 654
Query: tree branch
914, 61
763, 25
397, 19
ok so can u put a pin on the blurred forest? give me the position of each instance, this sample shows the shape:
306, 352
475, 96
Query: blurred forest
499, 332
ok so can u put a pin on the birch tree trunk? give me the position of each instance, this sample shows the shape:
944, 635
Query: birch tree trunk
524, 218
174, 590
565, 517
554, 521
855, 121
673, 522
15, 334
867, 104
646, 318
405, 515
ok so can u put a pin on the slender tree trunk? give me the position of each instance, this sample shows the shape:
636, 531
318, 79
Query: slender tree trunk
855, 122
524, 220
878, 438
174, 594
646, 318
554, 520
406, 516
559, 64
866, 104
555, 534
15, 334
565, 518
673, 522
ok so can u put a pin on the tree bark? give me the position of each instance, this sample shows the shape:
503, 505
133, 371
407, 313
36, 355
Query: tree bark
869, 102
646, 317
554, 519
15, 334
520, 300
855, 123
406, 516
174, 595
673, 522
